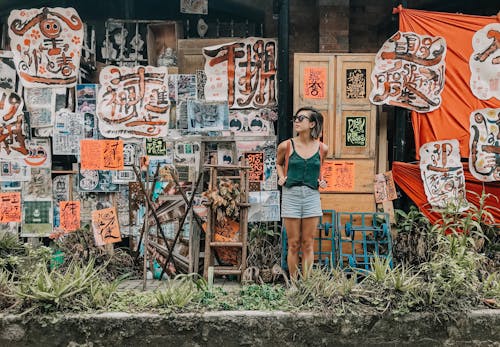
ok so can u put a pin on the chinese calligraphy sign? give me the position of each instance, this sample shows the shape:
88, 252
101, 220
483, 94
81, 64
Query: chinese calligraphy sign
443, 174
156, 146
339, 176
46, 44
315, 82
484, 159
243, 73
355, 132
12, 139
409, 72
485, 63
355, 83
101, 154
385, 189
105, 226
256, 161
70, 215
133, 101
10, 207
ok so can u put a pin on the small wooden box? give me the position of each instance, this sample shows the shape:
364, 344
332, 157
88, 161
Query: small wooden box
160, 36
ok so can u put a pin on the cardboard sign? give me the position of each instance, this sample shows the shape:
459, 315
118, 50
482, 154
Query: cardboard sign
69, 212
315, 82
339, 176
101, 154
105, 226
10, 207
256, 161
47, 45
385, 189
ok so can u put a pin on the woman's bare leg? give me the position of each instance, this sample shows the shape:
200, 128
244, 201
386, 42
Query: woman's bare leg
309, 229
292, 226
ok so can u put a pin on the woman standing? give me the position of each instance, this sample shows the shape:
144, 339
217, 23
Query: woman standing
299, 166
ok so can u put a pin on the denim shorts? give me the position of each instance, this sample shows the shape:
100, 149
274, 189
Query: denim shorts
300, 202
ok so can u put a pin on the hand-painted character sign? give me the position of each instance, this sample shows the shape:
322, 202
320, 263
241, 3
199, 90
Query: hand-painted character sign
409, 72
46, 44
485, 63
249, 72
105, 226
12, 140
256, 161
133, 101
70, 215
10, 207
443, 174
484, 160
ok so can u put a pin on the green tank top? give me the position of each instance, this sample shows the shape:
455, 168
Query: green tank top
303, 172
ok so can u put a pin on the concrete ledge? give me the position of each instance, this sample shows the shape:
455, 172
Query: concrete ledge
252, 328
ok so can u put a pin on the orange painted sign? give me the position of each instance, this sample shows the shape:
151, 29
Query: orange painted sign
339, 176
105, 226
256, 161
69, 212
101, 154
315, 82
10, 207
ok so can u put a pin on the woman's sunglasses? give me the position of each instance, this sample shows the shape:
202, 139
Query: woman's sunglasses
300, 118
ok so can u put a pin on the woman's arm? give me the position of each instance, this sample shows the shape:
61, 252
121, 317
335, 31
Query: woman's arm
280, 161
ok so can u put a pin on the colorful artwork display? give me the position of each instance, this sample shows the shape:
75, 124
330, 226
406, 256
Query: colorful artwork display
10, 207
315, 82
443, 174
101, 154
485, 63
207, 116
12, 136
409, 72
339, 176
105, 226
243, 73
47, 45
133, 101
484, 159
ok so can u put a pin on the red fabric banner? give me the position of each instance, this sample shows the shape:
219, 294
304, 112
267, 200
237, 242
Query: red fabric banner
407, 177
451, 120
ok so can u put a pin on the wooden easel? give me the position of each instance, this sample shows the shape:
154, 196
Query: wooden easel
218, 172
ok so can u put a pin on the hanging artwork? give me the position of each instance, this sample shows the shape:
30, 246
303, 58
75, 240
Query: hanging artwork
40, 102
249, 122
484, 160
67, 133
315, 82
70, 215
207, 116
12, 138
339, 176
105, 226
47, 45
384, 187
101, 154
133, 101
96, 181
194, 6
443, 174
409, 72
201, 80
269, 148
10, 207
60, 192
243, 73
264, 206
8, 74
38, 153
37, 218
39, 187
14, 170
256, 162
156, 147
186, 87
485, 62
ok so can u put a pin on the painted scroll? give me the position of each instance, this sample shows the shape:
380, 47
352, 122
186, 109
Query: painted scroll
133, 101
409, 72
46, 44
484, 159
12, 138
105, 226
243, 73
443, 174
485, 63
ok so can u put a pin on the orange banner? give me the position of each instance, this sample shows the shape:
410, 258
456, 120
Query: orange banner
256, 161
315, 82
451, 120
10, 207
105, 226
101, 154
339, 176
69, 212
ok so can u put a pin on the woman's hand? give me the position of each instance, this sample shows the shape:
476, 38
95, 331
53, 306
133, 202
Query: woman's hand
322, 183
281, 181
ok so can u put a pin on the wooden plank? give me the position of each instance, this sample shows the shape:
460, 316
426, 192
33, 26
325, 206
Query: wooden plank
160, 36
382, 144
345, 202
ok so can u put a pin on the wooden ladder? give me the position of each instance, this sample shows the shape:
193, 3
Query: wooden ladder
209, 269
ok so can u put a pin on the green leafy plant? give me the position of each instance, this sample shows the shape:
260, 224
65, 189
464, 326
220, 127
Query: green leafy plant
179, 292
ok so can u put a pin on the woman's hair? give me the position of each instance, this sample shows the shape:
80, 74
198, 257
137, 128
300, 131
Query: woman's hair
316, 117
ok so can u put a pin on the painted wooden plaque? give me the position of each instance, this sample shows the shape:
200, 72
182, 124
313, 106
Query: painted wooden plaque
484, 159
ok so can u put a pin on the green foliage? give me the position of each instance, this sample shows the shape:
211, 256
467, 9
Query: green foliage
179, 292
7, 287
261, 297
